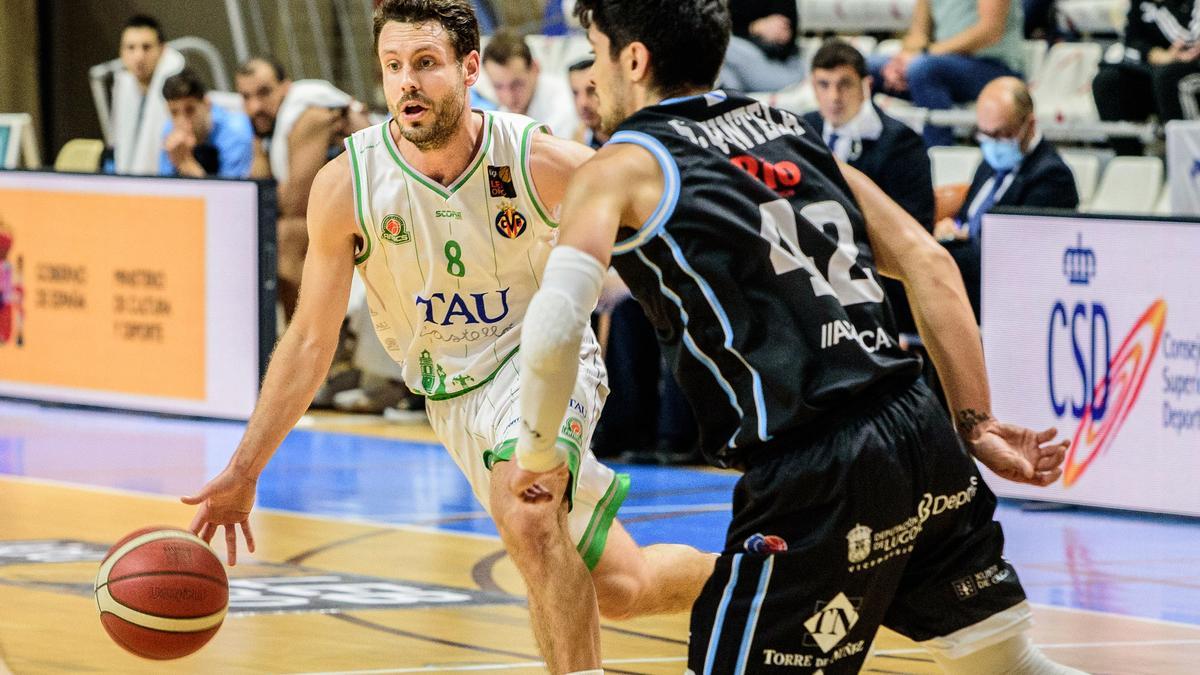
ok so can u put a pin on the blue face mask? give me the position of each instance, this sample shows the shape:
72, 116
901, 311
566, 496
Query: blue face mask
1001, 154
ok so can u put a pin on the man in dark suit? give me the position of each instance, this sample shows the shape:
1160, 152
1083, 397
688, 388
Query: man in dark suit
882, 147
1020, 168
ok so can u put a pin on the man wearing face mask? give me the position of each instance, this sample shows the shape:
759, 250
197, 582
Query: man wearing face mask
1020, 168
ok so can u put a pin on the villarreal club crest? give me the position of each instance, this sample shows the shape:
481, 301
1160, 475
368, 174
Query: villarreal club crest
509, 221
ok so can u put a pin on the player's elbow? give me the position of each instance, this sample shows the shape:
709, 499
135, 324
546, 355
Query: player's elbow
928, 260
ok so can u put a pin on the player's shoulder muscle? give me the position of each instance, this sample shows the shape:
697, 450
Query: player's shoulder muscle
552, 162
331, 200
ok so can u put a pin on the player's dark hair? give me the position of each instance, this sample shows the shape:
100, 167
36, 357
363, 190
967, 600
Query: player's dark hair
456, 17
506, 45
184, 84
686, 38
145, 21
836, 53
248, 66
580, 66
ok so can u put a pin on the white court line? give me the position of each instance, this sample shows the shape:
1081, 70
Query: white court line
1063, 645
488, 666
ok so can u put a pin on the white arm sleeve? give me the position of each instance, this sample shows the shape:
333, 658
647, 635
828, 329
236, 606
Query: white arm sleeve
550, 339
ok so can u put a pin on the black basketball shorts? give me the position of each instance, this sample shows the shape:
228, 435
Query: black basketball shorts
882, 518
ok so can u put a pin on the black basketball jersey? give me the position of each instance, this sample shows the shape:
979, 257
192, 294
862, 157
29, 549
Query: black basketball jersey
756, 271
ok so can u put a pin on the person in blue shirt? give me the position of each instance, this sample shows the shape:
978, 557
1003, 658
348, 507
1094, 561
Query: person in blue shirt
202, 139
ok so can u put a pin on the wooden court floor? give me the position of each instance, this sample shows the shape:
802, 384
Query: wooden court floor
456, 602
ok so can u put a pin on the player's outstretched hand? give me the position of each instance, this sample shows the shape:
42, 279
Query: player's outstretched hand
226, 500
1019, 454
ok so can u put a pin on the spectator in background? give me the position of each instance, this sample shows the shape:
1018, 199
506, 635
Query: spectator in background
587, 106
1020, 168
762, 53
299, 126
882, 147
953, 48
1158, 72
139, 111
522, 87
201, 139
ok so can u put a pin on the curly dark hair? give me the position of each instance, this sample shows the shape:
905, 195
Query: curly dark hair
686, 38
456, 16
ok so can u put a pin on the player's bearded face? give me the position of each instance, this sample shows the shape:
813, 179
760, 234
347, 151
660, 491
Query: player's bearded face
440, 120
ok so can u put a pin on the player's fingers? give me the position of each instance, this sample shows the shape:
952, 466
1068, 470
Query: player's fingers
231, 543
208, 531
1045, 478
198, 520
200, 496
248, 535
1047, 435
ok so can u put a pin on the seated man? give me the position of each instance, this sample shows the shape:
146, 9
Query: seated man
201, 139
762, 53
138, 109
952, 49
299, 126
522, 87
1020, 168
858, 133
587, 106
1157, 71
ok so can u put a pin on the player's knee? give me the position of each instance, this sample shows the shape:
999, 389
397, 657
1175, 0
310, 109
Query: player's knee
619, 601
525, 528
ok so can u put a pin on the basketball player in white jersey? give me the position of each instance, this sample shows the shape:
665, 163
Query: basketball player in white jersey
448, 214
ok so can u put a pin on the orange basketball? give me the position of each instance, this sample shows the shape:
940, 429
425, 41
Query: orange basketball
162, 593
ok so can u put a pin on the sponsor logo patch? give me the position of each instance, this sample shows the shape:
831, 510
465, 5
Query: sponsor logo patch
393, 229
509, 221
500, 182
832, 622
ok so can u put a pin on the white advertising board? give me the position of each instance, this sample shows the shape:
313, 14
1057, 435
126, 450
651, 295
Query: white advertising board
1092, 325
133, 293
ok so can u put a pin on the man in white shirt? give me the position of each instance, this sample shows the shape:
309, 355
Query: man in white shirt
139, 111
522, 87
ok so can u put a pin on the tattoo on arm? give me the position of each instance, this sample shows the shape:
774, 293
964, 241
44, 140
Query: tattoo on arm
967, 419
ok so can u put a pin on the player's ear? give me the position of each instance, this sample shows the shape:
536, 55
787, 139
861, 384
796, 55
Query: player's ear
635, 60
470, 65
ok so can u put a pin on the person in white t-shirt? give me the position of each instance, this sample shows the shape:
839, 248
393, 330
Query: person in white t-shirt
522, 87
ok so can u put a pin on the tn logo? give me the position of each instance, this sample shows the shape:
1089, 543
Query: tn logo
832, 622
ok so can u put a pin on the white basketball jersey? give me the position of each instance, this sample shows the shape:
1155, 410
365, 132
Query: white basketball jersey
449, 271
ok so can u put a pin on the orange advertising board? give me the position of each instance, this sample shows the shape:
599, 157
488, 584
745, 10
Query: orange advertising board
103, 291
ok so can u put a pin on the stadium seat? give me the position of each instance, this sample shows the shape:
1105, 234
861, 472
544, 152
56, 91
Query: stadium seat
948, 200
1090, 17
863, 43
1163, 206
1035, 56
889, 47
231, 101
953, 164
1086, 168
1130, 185
80, 155
798, 98
1063, 89
856, 16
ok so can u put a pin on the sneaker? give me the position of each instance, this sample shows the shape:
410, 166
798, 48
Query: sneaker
372, 396
341, 378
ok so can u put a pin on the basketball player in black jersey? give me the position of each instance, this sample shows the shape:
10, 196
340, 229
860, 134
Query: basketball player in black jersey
757, 256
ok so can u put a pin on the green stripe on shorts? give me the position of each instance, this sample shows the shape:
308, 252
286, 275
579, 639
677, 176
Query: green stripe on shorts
503, 452
591, 546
